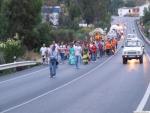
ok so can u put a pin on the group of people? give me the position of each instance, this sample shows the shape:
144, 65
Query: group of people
76, 52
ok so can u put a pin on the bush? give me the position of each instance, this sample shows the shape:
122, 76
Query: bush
11, 48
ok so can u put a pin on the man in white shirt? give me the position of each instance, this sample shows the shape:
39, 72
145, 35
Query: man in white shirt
78, 54
43, 53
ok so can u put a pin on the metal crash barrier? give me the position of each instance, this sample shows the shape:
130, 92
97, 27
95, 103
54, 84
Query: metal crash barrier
17, 64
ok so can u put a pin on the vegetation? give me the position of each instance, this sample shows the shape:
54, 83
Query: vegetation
146, 21
115, 4
24, 18
11, 49
19, 17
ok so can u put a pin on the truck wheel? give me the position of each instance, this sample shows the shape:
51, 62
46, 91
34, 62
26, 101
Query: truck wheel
141, 60
125, 61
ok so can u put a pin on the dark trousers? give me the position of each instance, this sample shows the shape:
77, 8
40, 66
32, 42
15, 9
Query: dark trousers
108, 51
62, 55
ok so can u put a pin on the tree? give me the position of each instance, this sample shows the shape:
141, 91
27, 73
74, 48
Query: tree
146, 17
4, 19
146, 21
130, 3
115, 4
93, 10
23, 16
1, 3
20, 16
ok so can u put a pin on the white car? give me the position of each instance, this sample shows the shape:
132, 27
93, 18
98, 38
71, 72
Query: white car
132, 49
131, 37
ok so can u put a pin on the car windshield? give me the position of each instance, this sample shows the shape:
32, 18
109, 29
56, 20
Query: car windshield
131, 36
132, 44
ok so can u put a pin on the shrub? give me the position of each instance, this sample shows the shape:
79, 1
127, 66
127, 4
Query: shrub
11, 48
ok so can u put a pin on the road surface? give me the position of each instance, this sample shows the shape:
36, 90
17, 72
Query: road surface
107, 86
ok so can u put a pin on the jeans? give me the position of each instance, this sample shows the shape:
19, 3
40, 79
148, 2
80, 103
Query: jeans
52, 67
93, 56
78, 58
62, 55
101, 52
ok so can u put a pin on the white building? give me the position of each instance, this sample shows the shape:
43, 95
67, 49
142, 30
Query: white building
124, 11
51, 14
134, 11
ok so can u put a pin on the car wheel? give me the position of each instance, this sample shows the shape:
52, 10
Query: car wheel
125, 61
141, 60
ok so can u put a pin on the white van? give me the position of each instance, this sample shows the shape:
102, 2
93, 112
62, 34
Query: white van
132, 49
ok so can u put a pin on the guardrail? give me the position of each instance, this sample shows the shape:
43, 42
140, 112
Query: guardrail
17, 64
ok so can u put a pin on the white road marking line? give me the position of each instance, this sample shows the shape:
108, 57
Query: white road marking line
142, 112
60, 87
144, 100
22, 76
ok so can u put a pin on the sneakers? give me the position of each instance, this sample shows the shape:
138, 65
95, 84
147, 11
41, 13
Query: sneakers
52, 76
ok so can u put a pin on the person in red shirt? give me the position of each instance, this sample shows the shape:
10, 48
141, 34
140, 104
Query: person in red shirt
94, 52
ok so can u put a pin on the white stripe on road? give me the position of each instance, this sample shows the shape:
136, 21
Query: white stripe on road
60, 87
144, 100
23, 76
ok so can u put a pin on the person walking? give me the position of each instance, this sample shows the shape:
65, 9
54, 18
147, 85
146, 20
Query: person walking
43, 50
85, 57
108, 47
62, 49
100, 48
72, 60
78, 54
114, 43
53, 61
94, 52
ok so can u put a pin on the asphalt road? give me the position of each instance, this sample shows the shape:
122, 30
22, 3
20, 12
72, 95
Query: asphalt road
107, 86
